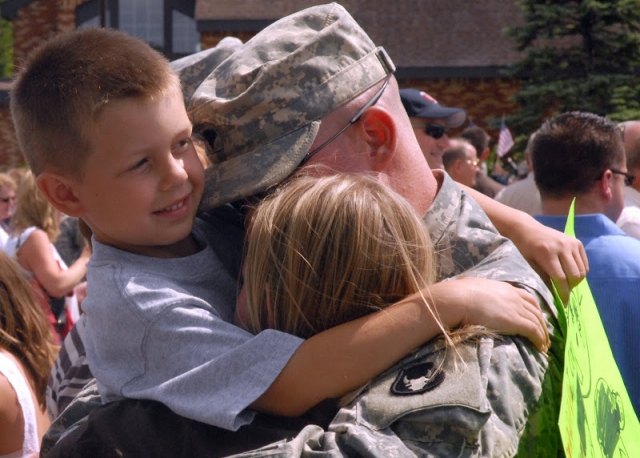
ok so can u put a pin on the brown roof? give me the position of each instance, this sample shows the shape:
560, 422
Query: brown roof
416, 33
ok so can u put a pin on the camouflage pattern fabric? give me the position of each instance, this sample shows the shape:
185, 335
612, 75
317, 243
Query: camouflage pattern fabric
260, 110
194, 68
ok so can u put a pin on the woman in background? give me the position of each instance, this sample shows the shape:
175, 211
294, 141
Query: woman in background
26, 357
35, 225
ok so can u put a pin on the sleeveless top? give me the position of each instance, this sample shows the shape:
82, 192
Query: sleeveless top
14, 242
31, 444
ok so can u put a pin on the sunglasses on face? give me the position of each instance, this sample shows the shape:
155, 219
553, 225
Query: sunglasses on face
6, 200
434, 131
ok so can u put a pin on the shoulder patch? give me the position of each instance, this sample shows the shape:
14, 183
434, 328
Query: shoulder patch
416, 379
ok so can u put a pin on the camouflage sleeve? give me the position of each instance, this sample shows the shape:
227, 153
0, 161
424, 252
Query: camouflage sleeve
472, 400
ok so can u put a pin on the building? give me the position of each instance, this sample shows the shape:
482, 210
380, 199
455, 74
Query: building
452, 49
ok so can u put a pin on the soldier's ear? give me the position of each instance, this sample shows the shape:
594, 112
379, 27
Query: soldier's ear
380, 132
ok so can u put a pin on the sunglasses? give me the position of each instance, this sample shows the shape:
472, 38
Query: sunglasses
6, 200
434, 131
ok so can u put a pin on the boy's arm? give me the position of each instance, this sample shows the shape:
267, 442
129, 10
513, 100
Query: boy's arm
341, 359
552, 254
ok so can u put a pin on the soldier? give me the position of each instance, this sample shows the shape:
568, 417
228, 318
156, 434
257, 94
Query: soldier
313, 89
303, 107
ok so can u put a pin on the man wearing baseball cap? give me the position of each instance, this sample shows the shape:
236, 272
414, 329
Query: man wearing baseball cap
430, 122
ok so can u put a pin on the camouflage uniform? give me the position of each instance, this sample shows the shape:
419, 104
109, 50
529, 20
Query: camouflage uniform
495, 397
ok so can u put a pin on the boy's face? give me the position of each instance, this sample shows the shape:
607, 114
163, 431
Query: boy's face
143, 181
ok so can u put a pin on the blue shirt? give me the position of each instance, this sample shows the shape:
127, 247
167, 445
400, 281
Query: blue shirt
614, 278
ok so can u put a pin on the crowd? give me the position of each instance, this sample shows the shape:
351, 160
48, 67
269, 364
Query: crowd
270, 249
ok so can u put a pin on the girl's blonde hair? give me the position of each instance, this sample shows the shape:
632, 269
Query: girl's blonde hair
24, 329
33, 209
322, 251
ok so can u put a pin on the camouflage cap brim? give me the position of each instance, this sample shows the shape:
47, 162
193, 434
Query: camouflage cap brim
237, 177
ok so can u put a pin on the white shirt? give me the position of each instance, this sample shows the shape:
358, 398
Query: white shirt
631, 197
629, 220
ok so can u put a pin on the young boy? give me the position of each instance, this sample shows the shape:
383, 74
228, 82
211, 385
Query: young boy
101, 119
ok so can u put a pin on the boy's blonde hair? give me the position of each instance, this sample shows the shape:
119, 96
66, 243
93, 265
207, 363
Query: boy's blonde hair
66, 83
33, 209
24, 329
323, 251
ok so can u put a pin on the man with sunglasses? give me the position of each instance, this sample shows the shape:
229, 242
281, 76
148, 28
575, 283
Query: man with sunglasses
582, 155
430, 122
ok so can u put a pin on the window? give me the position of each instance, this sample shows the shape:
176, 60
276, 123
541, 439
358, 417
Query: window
175, 35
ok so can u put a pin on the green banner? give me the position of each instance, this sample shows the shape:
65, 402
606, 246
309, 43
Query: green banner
596, 415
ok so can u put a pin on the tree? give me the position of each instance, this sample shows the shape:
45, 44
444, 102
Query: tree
579, 55
6, 48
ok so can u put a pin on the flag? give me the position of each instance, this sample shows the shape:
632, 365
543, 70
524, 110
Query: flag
505, 141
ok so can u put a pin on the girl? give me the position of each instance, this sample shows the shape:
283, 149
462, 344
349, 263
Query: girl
323, 251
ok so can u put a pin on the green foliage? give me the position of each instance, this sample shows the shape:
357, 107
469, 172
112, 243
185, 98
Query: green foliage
579, 55
6, 48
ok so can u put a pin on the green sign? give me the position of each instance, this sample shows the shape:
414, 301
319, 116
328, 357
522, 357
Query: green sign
596, 415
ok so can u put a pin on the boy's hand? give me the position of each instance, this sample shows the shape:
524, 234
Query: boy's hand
496, 305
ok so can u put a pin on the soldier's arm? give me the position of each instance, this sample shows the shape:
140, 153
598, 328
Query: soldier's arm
341, 359
552, 254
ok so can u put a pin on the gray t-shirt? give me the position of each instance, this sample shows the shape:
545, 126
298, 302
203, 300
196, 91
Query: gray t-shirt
161, 329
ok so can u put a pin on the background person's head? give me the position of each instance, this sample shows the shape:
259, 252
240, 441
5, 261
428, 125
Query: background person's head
461, 162
580, 155
430, 122
311, 77
326, 250
33, 209
479, 138
632, 149
7, 196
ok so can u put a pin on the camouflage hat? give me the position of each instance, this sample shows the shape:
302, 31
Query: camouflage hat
194, 68
260, 110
